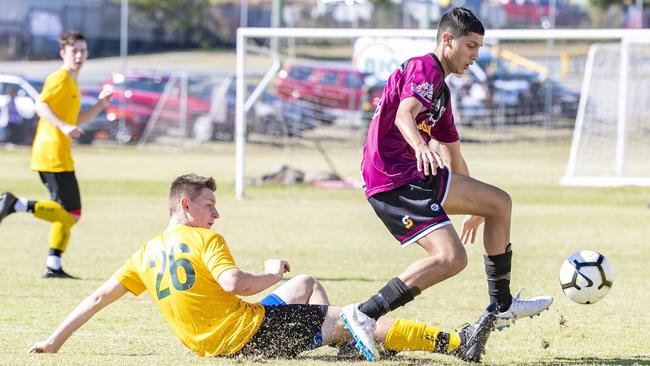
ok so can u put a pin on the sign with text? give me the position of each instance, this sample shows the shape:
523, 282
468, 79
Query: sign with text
381, 56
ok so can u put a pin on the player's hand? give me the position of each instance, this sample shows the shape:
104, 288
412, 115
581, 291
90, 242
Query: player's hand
428, 160
105, 95
276, 267
42, 347
72, 131
470, 227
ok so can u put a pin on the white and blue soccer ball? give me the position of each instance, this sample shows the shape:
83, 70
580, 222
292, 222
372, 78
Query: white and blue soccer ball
586, 277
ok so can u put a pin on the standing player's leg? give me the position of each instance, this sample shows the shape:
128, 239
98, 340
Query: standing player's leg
63, 211
470, 196
413, 213
446, 258
50, 211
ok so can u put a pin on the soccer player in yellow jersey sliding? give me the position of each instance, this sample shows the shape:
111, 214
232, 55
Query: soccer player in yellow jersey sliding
191, 276
60, 117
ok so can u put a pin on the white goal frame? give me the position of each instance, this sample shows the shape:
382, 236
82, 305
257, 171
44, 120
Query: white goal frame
243, 104
619, 179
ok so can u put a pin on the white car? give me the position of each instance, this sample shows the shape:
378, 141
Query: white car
26, 95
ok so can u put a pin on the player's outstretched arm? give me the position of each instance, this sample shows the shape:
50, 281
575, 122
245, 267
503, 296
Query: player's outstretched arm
110, 291
103, 100
244, 283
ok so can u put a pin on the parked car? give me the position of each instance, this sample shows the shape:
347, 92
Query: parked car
566, 13
526, 13
137, 95
270, 115
325, 86
25, 99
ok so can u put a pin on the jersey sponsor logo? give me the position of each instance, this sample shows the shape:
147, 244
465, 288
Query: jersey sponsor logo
425, 90
435, 207
425, 127
406, 220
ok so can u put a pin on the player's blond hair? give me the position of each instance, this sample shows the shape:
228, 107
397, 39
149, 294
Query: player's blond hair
189, 186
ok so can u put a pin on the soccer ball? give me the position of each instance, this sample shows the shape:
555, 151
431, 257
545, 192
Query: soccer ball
586, 277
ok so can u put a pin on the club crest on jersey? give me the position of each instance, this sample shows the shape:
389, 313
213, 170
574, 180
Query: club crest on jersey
406, 220
425, 90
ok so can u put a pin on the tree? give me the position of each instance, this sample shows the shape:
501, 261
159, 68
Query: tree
184, 18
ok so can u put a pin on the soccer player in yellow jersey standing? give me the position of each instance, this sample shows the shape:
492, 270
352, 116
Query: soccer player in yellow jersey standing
60, 117
191, 276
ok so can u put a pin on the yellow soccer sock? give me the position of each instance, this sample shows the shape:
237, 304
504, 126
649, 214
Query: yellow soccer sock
59, 236
52, 211
62, 221
407, 335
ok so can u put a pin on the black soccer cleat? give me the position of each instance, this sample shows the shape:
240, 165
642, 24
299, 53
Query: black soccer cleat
473, 337
57, 273
7, 202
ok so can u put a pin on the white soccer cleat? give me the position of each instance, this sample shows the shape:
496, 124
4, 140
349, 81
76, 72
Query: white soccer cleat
521, 309
362, 329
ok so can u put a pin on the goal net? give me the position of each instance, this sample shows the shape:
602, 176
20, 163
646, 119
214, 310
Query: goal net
611, 142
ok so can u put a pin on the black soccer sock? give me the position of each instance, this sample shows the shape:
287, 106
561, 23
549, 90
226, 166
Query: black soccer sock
393, 295
30, 206
497, 268
55, 252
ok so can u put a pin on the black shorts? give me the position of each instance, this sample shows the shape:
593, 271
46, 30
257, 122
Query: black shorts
413, 210
286, 331
63, 188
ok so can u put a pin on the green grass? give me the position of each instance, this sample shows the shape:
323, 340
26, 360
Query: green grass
333, 235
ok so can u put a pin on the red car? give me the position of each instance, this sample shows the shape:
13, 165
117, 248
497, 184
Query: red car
138, 95
329, 87
526, 13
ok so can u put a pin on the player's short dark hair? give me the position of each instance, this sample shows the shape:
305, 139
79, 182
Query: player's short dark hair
459, 22
70, 38
190, 186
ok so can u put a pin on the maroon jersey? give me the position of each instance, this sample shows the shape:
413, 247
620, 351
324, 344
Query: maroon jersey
388, 160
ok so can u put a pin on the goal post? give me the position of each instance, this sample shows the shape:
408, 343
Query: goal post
611, 140
245, 36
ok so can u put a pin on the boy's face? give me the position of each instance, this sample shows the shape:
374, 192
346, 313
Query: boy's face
462, 51
74, 55
201, 212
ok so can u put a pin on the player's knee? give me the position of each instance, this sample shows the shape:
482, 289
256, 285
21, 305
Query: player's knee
76, 215
306, 280
506, 201
501, 203
459, 261
306, 283
454, 260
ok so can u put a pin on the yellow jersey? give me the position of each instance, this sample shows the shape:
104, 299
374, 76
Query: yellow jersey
179, 269
51, 150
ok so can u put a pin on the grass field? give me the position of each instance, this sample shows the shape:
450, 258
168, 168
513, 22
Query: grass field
335, 236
